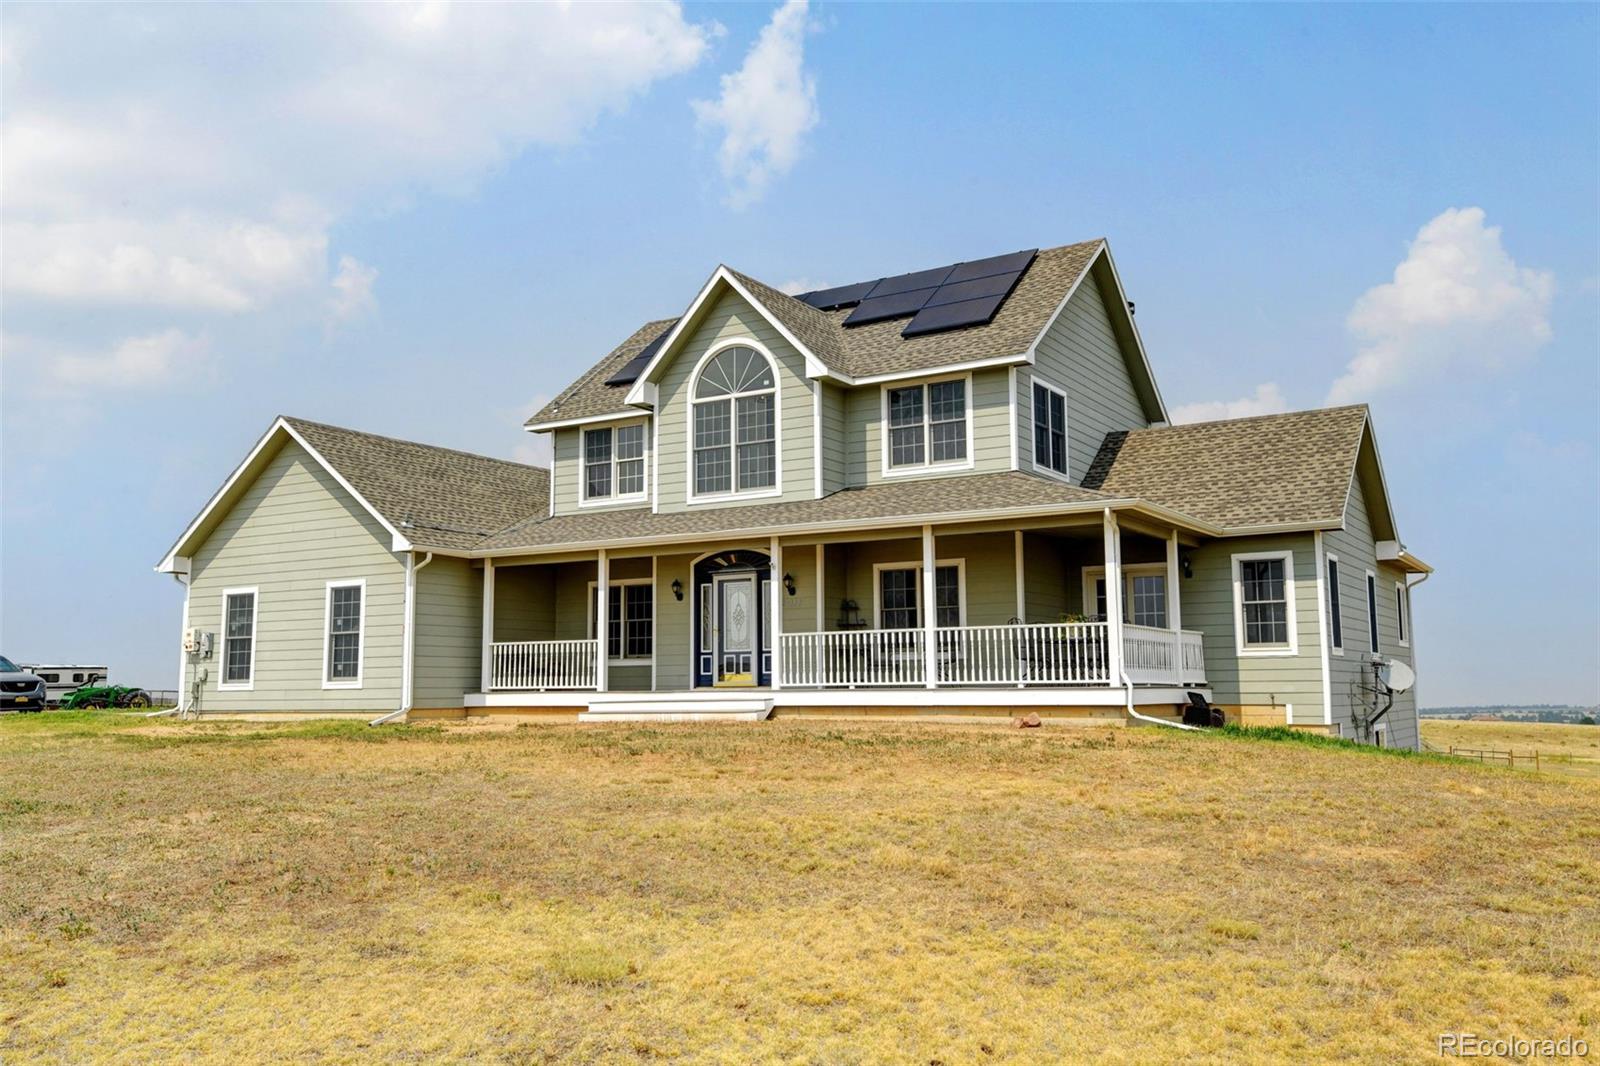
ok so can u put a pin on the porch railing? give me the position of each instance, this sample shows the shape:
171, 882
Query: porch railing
1154, 656
1194, 658
1067, 653
851, 658
544, 664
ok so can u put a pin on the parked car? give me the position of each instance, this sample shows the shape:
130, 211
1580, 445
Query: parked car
105, 696
20, 690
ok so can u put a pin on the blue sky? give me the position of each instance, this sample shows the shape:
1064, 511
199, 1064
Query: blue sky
424, 221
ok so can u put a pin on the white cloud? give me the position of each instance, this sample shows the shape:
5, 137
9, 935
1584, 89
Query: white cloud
797, 286
352, 289
1457, 303
766, 108
136, 362
196, 158
1266, 400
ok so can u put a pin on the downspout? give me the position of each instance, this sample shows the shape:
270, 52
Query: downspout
408, 651
1115, 544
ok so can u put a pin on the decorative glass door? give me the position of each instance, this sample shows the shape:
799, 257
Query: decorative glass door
736, 629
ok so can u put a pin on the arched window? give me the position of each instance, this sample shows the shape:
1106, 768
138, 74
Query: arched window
735, 424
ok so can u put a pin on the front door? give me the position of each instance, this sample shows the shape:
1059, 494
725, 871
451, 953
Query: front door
736, 629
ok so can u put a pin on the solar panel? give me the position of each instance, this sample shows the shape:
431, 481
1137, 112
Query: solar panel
997, 285
953, 316
839, 296
919, 279
634, 367
898, 305
995, 264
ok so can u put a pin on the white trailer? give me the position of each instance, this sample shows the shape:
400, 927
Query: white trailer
60, 680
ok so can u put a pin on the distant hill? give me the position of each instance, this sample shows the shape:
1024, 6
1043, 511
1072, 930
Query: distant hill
1516, 712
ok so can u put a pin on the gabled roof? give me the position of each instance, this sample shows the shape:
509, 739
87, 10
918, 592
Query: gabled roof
863, 354
437, 497
1272, 471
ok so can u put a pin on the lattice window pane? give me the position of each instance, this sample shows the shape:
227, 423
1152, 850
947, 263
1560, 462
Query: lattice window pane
1150, 600
639, 621
949, 441
239, 637
947, 596
898, 599
713, 456
1265, 607
344, 633
906, 446
1058, 433
597, 463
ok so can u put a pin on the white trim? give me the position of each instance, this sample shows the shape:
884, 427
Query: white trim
927, 466
964, 366
655, 598
223, 684
655, 464
1322, 576
625, 660
1374, 630
821, 583
586, 420
183, 654
916, 565
774, 627
733, 426
486, 624
816, 437
1129, 572
398, 540
1113, 699
1039, 382
1022, 595
1288, 714
814, 366
1269, 651
1011, 387
1324, 629
551, 475
361, 632
616, 499
1402, 613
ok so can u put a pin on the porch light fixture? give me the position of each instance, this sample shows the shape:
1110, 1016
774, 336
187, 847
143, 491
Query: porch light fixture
677, 589
1186, 565
788, 583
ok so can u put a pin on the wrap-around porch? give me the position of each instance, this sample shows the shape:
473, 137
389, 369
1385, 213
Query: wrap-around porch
930, 608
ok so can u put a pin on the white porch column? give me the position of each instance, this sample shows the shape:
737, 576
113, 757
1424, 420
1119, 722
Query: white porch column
1174, 612
602, 619
1022, 599
488, 623
822, 589
930, 634
776, 592
1113, 549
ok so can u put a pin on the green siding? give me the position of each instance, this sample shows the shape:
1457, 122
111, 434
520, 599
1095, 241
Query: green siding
1256, 681
1080, 355
566, 471
291, 532
989, 409
729, 318
448, 649
989, 558
1049, 566
673, 623
835, 440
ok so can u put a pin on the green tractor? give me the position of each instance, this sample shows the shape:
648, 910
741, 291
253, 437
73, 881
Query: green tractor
105, 696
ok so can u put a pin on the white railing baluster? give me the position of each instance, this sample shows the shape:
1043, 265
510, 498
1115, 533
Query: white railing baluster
544, 664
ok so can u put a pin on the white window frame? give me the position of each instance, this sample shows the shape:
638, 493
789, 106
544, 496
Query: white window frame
223, 684
1335, 617
625, 659
777, 426
1066, 440
1374, 629
1091, 574
1380, 735
361, 634
1402, 613
927, 465
1265, 651
877, 588
584, 499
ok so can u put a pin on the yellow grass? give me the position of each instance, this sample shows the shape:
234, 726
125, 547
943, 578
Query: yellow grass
1582, 742
805, 892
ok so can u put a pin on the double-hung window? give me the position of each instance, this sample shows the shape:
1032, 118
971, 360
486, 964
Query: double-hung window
900, 596
927, 424
1335, 618
1264, 614
1049, 428
630, 621
238, 638
734, 424
613, 462
1372, 611
344, 612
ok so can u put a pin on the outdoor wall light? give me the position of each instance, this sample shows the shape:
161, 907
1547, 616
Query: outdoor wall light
1186, 565
677, 589
788, 583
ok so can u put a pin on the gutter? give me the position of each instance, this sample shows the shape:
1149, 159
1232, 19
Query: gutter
408, 649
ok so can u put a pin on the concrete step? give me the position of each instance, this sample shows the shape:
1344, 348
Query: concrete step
677, 707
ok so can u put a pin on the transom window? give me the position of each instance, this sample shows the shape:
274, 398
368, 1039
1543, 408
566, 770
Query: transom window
1264, 599
238, 637
630, 621
613, 462
900, 596
344, 615
735, 424
1049, 428
927, 424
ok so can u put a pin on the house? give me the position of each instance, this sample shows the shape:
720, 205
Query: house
953, 492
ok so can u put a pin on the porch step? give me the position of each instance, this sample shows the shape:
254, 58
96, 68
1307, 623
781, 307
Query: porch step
676, 707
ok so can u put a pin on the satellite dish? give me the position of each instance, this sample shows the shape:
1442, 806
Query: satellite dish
1396, 675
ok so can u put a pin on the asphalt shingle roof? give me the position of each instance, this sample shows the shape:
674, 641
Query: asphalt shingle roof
438, 497
1288, 469
859, 351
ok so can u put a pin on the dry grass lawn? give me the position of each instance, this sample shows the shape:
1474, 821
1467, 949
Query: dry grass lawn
1582, 742
783, 892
